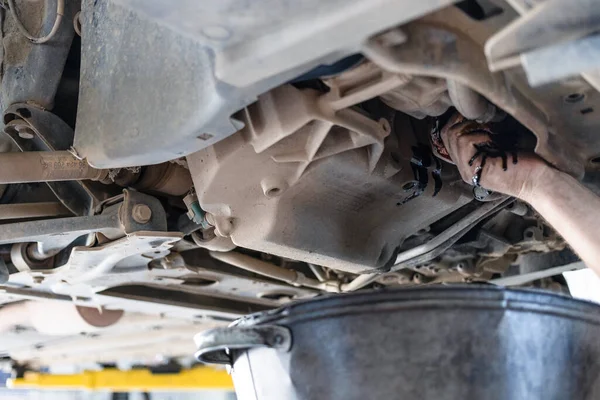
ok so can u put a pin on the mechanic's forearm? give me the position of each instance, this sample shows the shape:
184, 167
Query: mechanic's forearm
572, 210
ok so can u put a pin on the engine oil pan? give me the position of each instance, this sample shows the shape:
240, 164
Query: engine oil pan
446, 342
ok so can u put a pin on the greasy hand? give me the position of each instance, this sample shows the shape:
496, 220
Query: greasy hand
518, 180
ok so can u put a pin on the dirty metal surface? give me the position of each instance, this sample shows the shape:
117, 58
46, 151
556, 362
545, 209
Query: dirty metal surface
50, 133
24, 62
563, 115
150, 93
32, 210
136, 272
115, 220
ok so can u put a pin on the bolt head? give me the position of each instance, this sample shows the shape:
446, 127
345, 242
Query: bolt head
25, 132
141, 213
210, 219
278, 340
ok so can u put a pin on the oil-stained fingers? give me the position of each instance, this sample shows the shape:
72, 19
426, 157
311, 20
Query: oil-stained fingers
464, 152
451, 131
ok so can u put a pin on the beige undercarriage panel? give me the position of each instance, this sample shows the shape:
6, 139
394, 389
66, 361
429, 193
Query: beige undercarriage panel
308, 182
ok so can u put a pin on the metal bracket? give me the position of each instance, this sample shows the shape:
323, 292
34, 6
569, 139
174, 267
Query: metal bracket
89, 269
47, 132
86, 264
133, 199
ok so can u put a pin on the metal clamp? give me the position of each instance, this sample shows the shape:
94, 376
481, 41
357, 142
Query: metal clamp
214, 345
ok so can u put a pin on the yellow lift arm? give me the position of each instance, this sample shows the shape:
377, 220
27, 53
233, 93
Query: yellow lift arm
197, 378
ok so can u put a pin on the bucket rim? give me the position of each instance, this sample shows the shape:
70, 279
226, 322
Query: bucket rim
431, 297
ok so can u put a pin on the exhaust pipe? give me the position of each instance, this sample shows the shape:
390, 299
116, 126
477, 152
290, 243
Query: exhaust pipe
46, 166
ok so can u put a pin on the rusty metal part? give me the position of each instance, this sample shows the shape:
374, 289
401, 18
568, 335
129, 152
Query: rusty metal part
53, 235
60, 232
60, 11
25, 62
141, 213
51, 134
167, 178
46, 166
126, 177
32, 210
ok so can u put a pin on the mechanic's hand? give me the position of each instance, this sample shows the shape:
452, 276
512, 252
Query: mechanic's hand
519, 180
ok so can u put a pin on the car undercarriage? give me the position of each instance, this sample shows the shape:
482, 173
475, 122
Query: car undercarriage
200, 160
